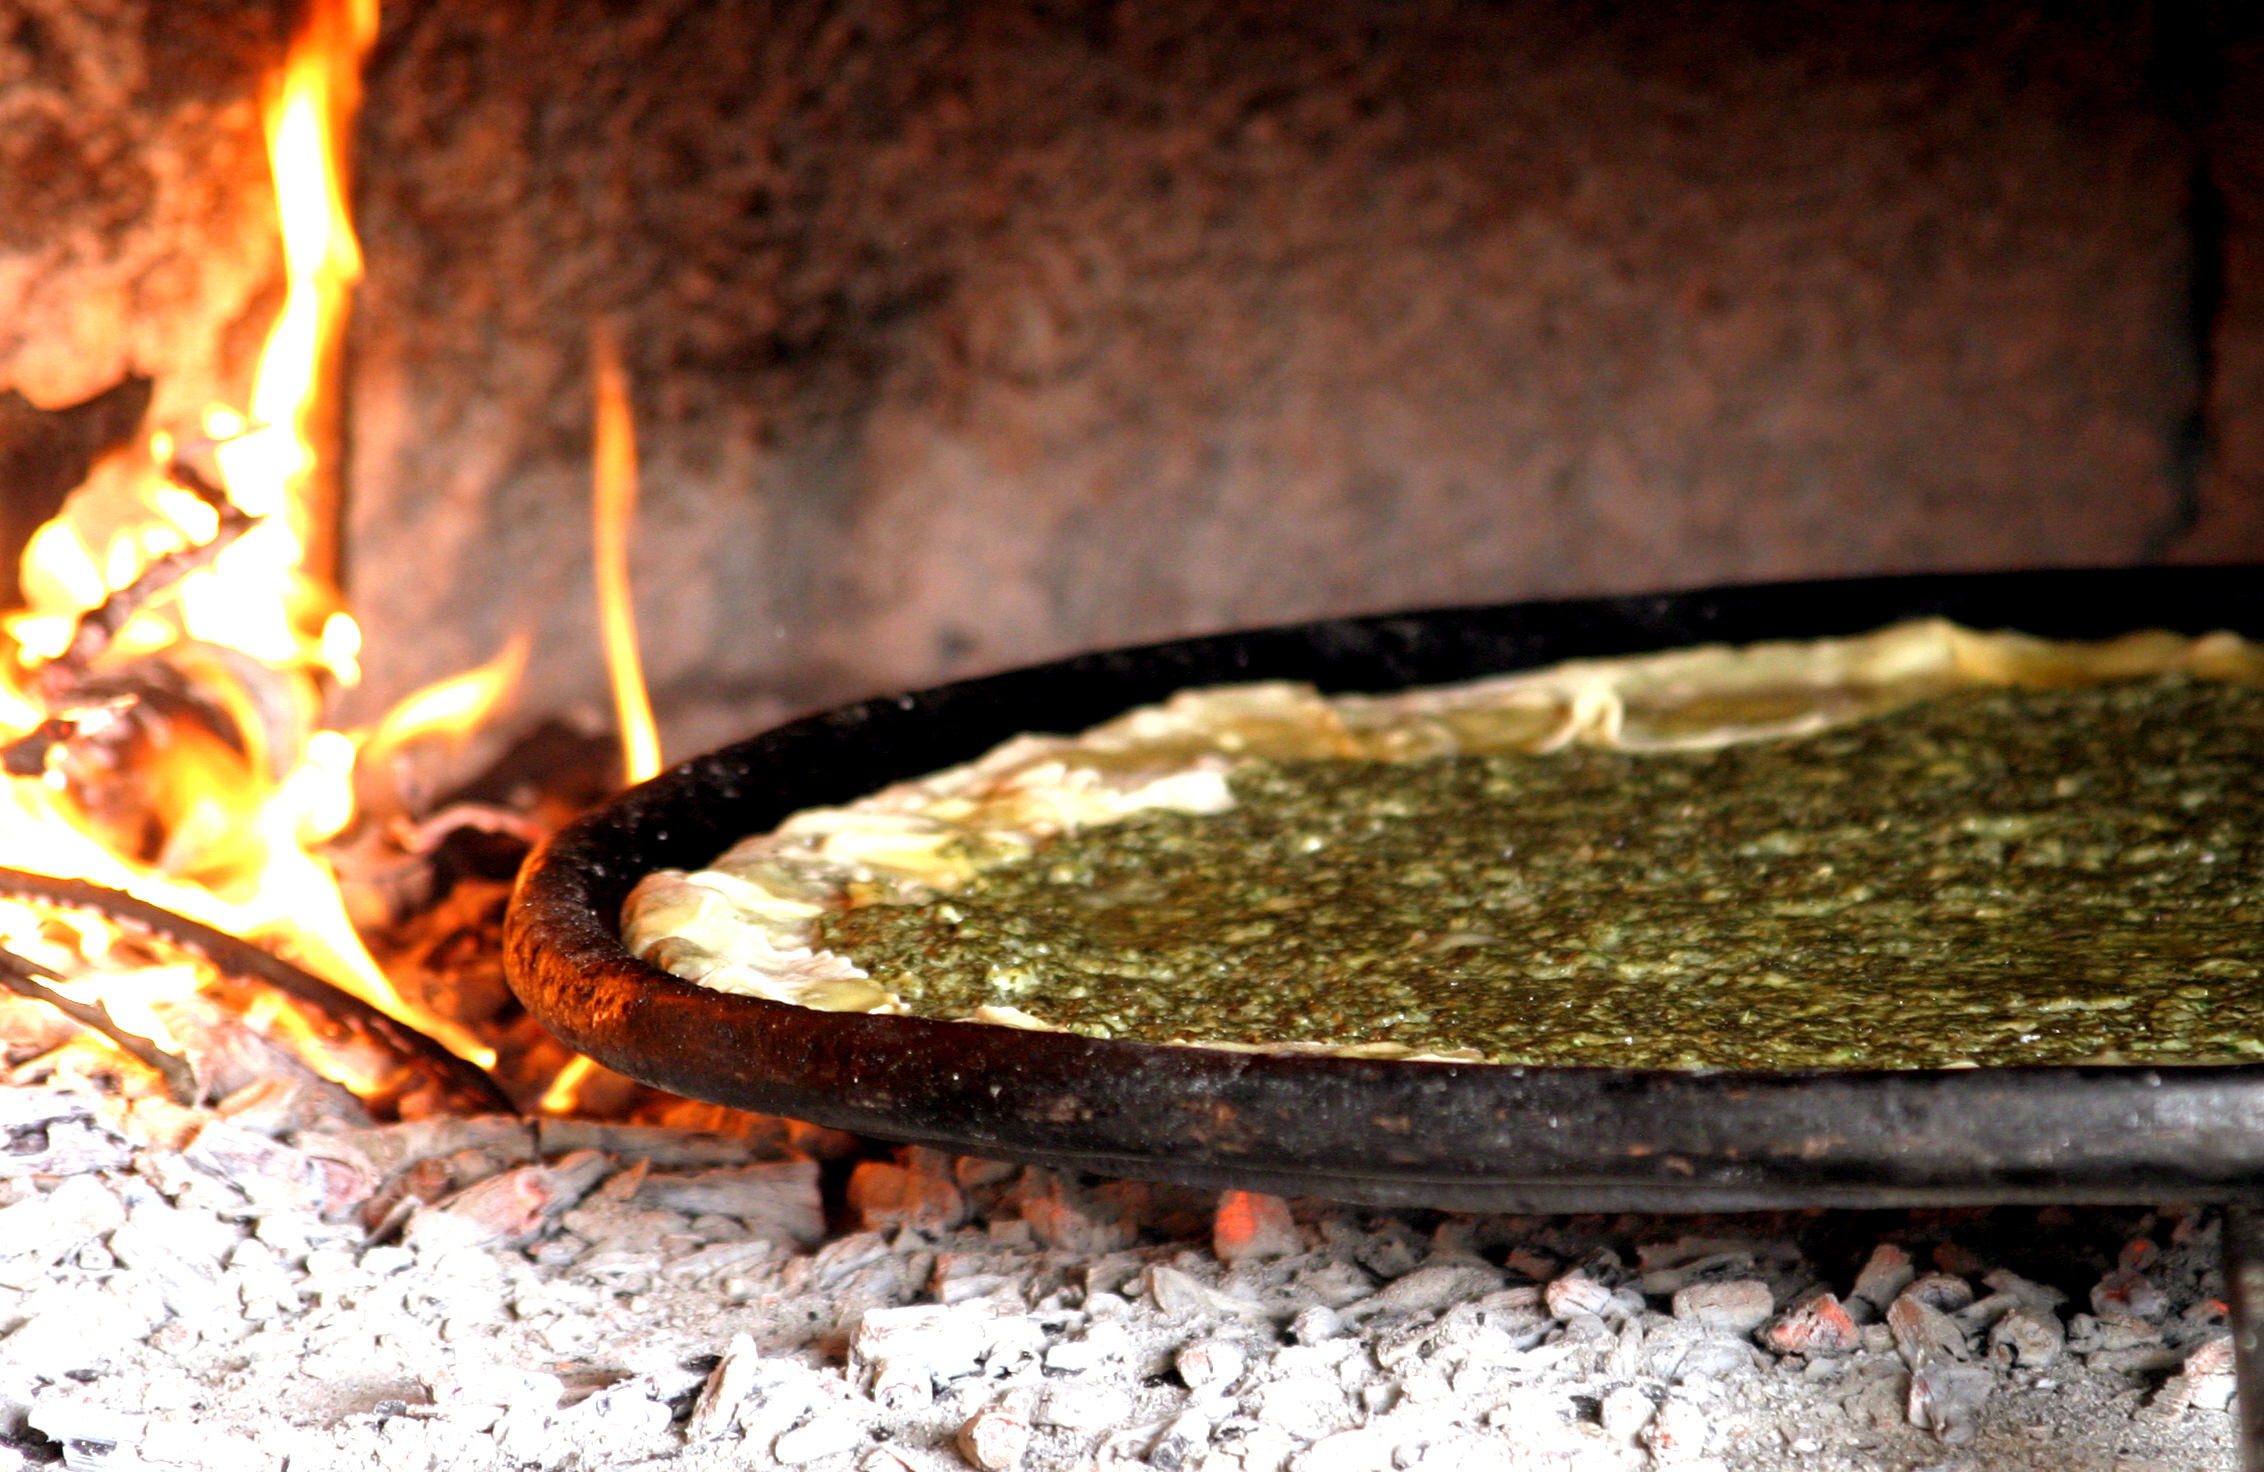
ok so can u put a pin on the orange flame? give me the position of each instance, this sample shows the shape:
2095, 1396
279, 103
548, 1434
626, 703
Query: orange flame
322, 260
564, 1093
449, 709
233, 855
615, 515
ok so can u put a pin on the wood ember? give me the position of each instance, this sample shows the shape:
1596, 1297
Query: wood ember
391, 1149
778, 1198
1678, 1433
1884, 1276
233, 1061
2028, 1338
283, 1102
2126, 1290
1923, 1334
661, 1147
444, 956
1942, 1291
995, 1437
275, 1177
1067, 1216
1739, 1307
729, 1384
1251, 1226
1818, 1326
817, 1439
1426, 1290
920, 1193
1624, 1413
1577, 1293
508, 1209
55, 1133
1182, 1441
1078, 1405
1947, 1400
2206, 1378
1210, 1363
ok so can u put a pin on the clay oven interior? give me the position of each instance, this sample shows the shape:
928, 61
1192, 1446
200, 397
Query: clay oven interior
966, 335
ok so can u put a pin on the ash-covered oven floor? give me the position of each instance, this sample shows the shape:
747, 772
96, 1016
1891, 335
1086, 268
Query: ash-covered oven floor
203, 1288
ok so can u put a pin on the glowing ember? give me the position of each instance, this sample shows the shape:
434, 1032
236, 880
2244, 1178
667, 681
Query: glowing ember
615, 473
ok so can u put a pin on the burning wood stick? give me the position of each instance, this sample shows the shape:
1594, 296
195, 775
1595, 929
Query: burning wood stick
100, 624
22, 977
67, 680
240, 958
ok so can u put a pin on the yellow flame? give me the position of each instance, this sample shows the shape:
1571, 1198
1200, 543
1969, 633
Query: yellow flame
255, 597
565, 1090
614, 518
264, 461
246, 599
341, 648
61, 940
321, 790
449, 709
133, 1007
58, 565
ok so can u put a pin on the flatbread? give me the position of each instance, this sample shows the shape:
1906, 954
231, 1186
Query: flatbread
756, 921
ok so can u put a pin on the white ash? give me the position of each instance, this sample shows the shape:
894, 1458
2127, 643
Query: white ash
275, 1290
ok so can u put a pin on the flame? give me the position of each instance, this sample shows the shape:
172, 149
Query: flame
134, 1008
271, 1015
247, 599
614, 517
449, 709
321, 87
565, 1090
233, 813
67, 944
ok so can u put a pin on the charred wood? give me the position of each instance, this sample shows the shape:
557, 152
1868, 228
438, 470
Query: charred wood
99, 625
23, 978
242, 959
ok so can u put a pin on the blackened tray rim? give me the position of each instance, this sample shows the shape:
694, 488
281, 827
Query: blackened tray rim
1468, 1135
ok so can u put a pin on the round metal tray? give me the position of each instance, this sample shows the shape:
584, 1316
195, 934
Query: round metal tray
1468, 1136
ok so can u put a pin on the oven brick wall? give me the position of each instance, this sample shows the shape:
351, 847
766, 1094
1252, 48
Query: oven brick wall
970, 335
965, 335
